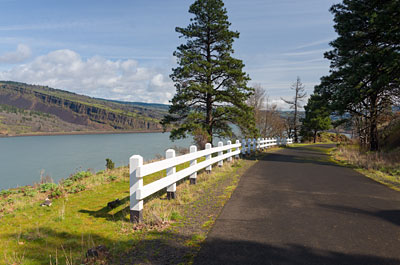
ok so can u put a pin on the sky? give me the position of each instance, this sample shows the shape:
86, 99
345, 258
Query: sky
123, 49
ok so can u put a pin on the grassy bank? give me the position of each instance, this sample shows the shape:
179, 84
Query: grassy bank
79, 219
383, 167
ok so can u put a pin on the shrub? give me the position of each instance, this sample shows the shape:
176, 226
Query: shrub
47, 187
109, 164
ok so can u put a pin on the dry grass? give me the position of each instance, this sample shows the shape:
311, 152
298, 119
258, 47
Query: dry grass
381, 166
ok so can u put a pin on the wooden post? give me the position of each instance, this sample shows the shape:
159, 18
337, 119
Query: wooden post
243, 147
248, 146
237, 142
208, 157
220, 163
193, 177
171, 190
136, 183
229, 151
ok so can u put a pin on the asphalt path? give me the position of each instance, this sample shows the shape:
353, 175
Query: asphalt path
296, 207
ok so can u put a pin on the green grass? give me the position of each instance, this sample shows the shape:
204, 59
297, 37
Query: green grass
30, 234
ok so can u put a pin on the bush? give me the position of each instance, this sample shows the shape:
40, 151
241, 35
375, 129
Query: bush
109, 164
47, 187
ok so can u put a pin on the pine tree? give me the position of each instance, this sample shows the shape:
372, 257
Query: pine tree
316, 118
211, 87
364, 78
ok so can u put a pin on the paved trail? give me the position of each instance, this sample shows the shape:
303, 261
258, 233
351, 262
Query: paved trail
294, 207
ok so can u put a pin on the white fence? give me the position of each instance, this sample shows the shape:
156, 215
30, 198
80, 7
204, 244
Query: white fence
137, 170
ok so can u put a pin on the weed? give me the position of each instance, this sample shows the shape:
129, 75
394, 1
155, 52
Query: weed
81, 175
175, 216
112, 178
5, 193
45, 187
56, 193
30, 192
67, 183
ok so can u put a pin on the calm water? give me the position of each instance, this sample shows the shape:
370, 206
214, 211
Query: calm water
22, 159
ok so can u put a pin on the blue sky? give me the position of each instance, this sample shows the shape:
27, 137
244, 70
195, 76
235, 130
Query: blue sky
123, 49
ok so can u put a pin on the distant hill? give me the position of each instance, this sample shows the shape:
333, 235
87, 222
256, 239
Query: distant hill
28, 109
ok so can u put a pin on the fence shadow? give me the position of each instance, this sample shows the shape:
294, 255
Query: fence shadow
105, 212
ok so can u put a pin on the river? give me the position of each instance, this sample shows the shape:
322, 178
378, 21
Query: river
24, 159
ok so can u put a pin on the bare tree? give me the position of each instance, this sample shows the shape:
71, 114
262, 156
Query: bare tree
295, 104
273, 124
256, 100
268, 120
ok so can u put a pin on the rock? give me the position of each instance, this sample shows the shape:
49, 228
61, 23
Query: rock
114, 204
46, 202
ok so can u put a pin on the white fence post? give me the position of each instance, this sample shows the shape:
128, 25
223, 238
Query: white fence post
193, 177
220, 163
254, 145
248, 146
136, 183
208, 157
258, 143
229, 151
243, 147
171, 190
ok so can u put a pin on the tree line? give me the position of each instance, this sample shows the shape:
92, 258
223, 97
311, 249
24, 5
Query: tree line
212, 91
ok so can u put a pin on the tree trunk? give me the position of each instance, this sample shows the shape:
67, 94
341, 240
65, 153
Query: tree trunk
373, 135
315, 136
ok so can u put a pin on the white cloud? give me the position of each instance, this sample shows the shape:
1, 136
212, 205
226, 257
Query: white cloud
315, 43
95, 76
22, 53
319, 51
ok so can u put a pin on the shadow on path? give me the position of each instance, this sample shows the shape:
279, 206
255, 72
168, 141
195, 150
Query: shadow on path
392, 216
245, 252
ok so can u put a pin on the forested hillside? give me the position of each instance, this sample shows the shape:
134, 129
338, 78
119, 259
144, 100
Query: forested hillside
28, 109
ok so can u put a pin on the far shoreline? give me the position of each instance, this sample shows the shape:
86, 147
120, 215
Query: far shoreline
79, 133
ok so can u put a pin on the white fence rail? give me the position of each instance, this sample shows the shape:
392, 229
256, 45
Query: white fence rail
138, 192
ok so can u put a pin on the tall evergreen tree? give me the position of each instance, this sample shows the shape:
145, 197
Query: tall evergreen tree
365, 61
211, 87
